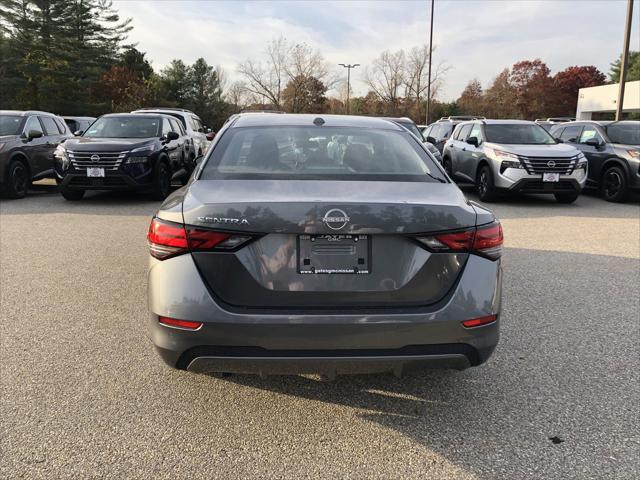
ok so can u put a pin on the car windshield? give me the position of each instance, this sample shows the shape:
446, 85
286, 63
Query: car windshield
517, 134
124, 127
10, 124
624, 133
343, 153
413, 128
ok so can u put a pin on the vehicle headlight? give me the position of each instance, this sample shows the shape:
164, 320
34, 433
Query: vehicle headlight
140, 154
61, 157
505, 156
137, 159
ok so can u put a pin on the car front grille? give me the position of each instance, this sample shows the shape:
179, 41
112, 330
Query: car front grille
539, 165
106, 160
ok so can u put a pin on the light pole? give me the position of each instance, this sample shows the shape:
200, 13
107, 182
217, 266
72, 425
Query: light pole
429, 74
624, 61
349, 66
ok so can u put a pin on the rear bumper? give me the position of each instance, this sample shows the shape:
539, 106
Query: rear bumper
327, 342
327, 362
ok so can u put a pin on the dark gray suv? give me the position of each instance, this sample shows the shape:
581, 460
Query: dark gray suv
324, 244
613, 152
28, 140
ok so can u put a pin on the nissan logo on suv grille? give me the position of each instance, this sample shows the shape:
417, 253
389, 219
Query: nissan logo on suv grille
335, 219
551, 164
95, 158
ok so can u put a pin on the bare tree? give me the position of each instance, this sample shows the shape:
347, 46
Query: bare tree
268, 79
386, 76
238, 96
417, 76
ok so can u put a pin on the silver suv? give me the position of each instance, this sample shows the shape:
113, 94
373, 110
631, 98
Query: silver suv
514, 156
194, 127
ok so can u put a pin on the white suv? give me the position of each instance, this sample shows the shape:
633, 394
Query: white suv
514, 156
194, 127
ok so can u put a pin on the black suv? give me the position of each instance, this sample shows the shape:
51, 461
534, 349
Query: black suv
123, 151
613, 152
439, 132
27, 142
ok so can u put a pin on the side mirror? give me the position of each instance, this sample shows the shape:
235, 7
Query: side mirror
431, 140
211, 135
172, 136
593, 142
473, 141
559, 140
77, 133
31, 134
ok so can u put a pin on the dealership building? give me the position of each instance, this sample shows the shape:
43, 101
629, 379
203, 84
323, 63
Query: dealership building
603, 100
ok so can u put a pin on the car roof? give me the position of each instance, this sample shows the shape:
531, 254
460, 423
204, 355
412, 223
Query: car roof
399, 119
141, 114
68, 117
170, 111
303, 119
26, 112
602, 123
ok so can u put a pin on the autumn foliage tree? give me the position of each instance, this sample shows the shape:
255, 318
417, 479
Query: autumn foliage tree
304, 94
471, 101
569, 81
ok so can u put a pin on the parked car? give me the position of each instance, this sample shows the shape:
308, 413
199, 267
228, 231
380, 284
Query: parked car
124, 151
27, 142
274, 263
439, 132
514, 156
413, 128
192, 124
613, 152
77, 125
548, 123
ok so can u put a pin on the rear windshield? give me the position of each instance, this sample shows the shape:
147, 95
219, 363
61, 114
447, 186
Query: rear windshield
624, 133
10, 124
124, 127
517, 134
319, 153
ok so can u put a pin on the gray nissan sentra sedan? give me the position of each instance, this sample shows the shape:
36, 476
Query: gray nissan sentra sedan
322, 244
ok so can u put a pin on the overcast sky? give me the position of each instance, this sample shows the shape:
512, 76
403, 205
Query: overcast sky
475, 38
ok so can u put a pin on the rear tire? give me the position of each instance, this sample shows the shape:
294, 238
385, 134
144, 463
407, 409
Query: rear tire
161, 181
484, 185
614, 185
72, 195
566, 197
18, 181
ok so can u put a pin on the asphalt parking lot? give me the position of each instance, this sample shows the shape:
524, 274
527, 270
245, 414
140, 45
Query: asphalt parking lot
84, 394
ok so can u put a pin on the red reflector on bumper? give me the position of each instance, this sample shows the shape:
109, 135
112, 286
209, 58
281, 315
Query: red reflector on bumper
476, 322
185, 324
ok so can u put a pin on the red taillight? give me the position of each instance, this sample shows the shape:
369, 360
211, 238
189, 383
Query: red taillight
485, 240
184, 324
476, 322
488, 240
168, 239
